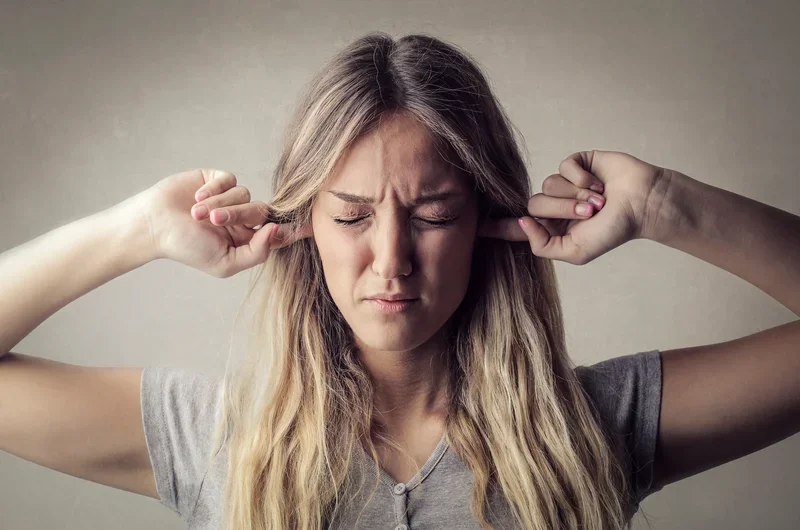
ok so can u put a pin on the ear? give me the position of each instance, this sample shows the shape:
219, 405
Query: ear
305, 230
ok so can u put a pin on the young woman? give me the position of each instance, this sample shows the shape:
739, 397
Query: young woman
408, 367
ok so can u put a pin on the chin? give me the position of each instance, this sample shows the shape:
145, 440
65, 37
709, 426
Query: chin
391, 337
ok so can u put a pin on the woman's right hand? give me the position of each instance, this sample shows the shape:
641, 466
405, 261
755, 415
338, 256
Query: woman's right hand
205, 242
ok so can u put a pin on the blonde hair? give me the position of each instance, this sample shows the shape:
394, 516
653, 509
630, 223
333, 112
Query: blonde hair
296, 410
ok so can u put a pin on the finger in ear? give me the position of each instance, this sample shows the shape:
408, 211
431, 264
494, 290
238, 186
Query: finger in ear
284, 236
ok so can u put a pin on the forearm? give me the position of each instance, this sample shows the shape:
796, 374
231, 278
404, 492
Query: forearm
43, 275
756, 242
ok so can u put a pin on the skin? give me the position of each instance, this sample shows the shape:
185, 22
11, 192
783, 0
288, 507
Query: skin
392, 248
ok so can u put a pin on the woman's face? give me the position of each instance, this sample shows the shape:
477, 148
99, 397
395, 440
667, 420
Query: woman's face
393, 218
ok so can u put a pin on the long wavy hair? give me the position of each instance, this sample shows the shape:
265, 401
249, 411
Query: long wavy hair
299, 405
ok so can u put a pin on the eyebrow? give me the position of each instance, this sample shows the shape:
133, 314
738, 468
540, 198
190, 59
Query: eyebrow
424, 199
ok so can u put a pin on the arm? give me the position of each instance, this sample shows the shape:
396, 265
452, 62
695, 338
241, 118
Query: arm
723, 401
43, 275
49, 410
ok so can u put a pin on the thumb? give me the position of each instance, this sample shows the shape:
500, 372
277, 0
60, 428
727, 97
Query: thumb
542, 243
255, 252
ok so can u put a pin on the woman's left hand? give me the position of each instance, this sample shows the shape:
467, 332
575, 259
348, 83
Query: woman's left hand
557, 231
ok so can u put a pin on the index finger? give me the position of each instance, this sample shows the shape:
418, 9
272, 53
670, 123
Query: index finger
507, 229
286, 236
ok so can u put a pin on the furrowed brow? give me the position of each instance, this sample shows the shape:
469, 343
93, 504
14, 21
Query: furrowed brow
424, 199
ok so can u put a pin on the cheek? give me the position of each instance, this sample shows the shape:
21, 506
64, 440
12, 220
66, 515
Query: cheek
342, 260
343, 250
448, 256
448, 244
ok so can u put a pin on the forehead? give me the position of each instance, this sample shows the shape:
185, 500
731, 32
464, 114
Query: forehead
399, 154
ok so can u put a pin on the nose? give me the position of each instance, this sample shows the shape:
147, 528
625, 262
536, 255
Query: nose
392, 248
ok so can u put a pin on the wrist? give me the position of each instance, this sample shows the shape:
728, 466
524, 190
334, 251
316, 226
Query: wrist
134, 235
670, 207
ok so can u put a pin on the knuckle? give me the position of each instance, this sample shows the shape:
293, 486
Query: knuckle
226, 181
244, 192
220, 174
549, 181
220, 181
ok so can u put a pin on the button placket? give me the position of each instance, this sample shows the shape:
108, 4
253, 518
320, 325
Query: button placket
401, 506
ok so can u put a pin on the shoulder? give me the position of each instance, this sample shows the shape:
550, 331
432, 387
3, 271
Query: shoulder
626, 392
178, 397
619, 384
180, 411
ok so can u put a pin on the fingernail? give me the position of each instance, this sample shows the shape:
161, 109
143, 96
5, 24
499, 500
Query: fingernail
596, 200
221, 216
200, 212
583, 209
596, 187
521, 223
202, 195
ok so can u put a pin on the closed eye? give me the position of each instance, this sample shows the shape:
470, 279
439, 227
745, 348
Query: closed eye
432, 222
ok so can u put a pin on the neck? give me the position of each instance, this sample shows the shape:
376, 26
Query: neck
410, 386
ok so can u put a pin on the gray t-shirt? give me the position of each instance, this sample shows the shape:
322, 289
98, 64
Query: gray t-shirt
180, 409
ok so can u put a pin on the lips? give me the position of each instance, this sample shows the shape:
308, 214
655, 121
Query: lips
392, 297
392, 306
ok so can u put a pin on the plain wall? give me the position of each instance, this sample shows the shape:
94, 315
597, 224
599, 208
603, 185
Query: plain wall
100, 100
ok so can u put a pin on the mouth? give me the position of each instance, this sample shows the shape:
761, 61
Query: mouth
392, 306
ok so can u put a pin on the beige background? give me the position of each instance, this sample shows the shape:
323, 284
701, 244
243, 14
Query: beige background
98, 102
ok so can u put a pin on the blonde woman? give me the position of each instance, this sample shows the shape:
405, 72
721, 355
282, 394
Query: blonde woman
407, 368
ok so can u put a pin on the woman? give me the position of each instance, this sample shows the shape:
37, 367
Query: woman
409, 368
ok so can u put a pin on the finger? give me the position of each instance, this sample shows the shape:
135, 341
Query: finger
250, 214
541, 205
557, 186
234, 196
577, 169
216, 182
510, 230
507, 228
253, 253
546, 245
286, 235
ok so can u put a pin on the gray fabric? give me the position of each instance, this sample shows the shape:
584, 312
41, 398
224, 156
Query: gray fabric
180, 409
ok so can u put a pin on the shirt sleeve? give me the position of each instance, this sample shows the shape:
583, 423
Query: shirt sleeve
179, 413
627, 393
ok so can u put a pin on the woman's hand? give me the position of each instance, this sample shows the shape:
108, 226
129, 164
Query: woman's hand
557, 231
214, 244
